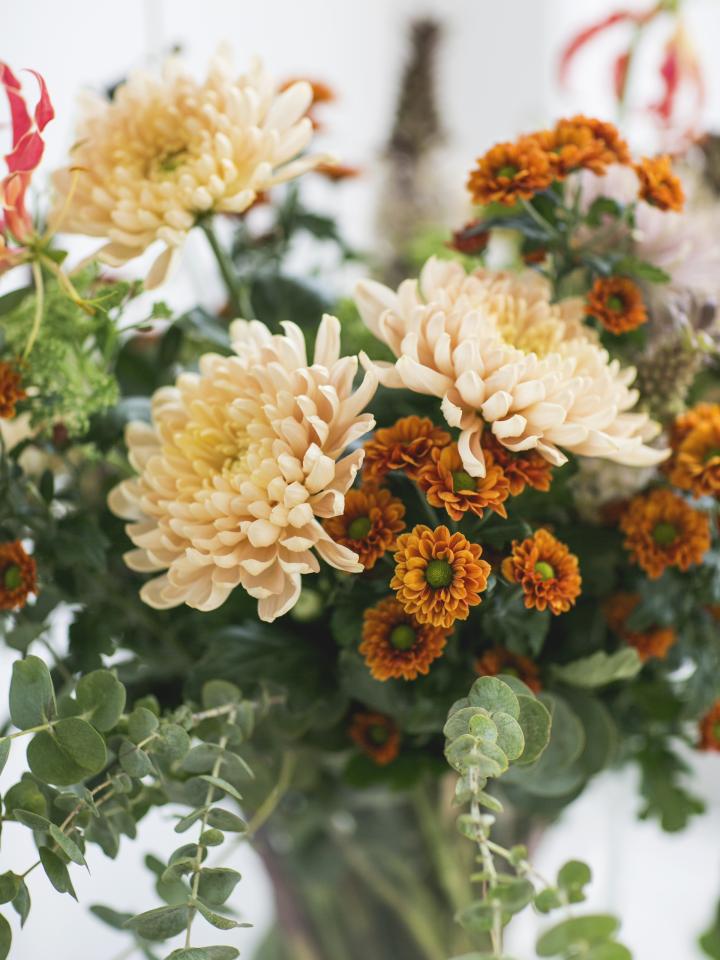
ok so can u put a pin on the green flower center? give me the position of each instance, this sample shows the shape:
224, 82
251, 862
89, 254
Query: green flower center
402, 637
12, 577
378, 734
462, 481
664, 534
716, 731
544, 570
711, 454
509, 171
359, 528
439, 573
615, 303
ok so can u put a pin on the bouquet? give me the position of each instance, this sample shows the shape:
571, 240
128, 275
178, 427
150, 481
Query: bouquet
377, 586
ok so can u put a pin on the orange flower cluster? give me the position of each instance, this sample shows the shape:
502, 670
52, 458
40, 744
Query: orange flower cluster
662, 530
499, 660
659, 186
695, 461
649, 643
527, 468
377, 736
546, 570
11, 390
18, 575
710, 729
446, 484
369, 525
617, 303
395, 644
404, 446
518, 170
439, 575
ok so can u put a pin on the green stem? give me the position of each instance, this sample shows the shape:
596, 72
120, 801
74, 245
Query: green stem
445, 861
269, 804
239, 300
39, 307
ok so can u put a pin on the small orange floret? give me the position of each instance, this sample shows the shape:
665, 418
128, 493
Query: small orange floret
377, 736
695, 461
617, 303
527, 468
404, 446
447, 484
649, 643
18, 575
710, 729
11, 390
394, 644
659, 186
546, 570
511, 171
499, 660
662, 530
369, 525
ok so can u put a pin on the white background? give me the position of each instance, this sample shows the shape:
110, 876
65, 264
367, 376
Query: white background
496, 78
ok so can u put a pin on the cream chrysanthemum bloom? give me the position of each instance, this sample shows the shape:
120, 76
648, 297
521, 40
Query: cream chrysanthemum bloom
497, 352
168, 149
241, 460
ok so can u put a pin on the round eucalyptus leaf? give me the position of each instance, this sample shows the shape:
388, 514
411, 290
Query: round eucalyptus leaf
32, 699
101, 698
591, 929
68, 753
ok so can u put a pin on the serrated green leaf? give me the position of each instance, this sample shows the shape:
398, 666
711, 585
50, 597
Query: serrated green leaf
160, 923
101, 698
32, 698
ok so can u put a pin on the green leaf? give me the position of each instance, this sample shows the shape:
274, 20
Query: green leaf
204, 953
134, 761
5, 744
227, 821
216, 919
5, 938
211, 838
21, 903
160, 923
113, 918
25, 795
57, 872
219, 693
221, 784
574, 874
641, 269
590, 929
608, 951
173, 742
510, 737
710, 939
216, 884
142, 723
600, 669
32, 820
536, 724
458, 722
32, 699
547, 900
101, 698
222, 953
68, 846
9, 886
494, 696
68, 753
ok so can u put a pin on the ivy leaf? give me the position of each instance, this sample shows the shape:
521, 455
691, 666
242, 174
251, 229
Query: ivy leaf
32, 699
69, 753
101, 698
57, 872
160, 923
600, 669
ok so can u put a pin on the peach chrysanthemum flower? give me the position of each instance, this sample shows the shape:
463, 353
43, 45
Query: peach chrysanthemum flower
394, 644
659, 186
18, 575
617, 303
168, 149
509, 172
649, 643
662, 530
377, 736
695, 461
439, 575
242, 461
406, 445
11, 390
710, 729
369, 525
498, 352
448, 486
546, 570
499, 660
526, 469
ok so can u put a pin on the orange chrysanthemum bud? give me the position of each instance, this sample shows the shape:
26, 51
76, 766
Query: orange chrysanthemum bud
18, 575
439, 575
369, 525
659, 186
446, 484
617, 303
404, 446
649, 643
377, 736
395, 644
546, 570
662, 530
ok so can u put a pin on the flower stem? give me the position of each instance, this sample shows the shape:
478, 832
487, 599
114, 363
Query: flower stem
39, 307
239, 300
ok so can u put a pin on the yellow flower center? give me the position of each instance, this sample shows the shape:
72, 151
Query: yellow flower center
402, 637
544, 570
438, 574
359, 528
664, 534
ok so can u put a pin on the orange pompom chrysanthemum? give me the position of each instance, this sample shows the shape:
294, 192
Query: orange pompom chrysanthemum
447, 484
659, 186
395, 644
546, 570
695, 461
662, 530
710, 729
649, 643
526, 468
377, 736
439, 575
583, 143
369, 525
11, 390
617, 303
18, 575
511, 171
500, 660
404, 446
